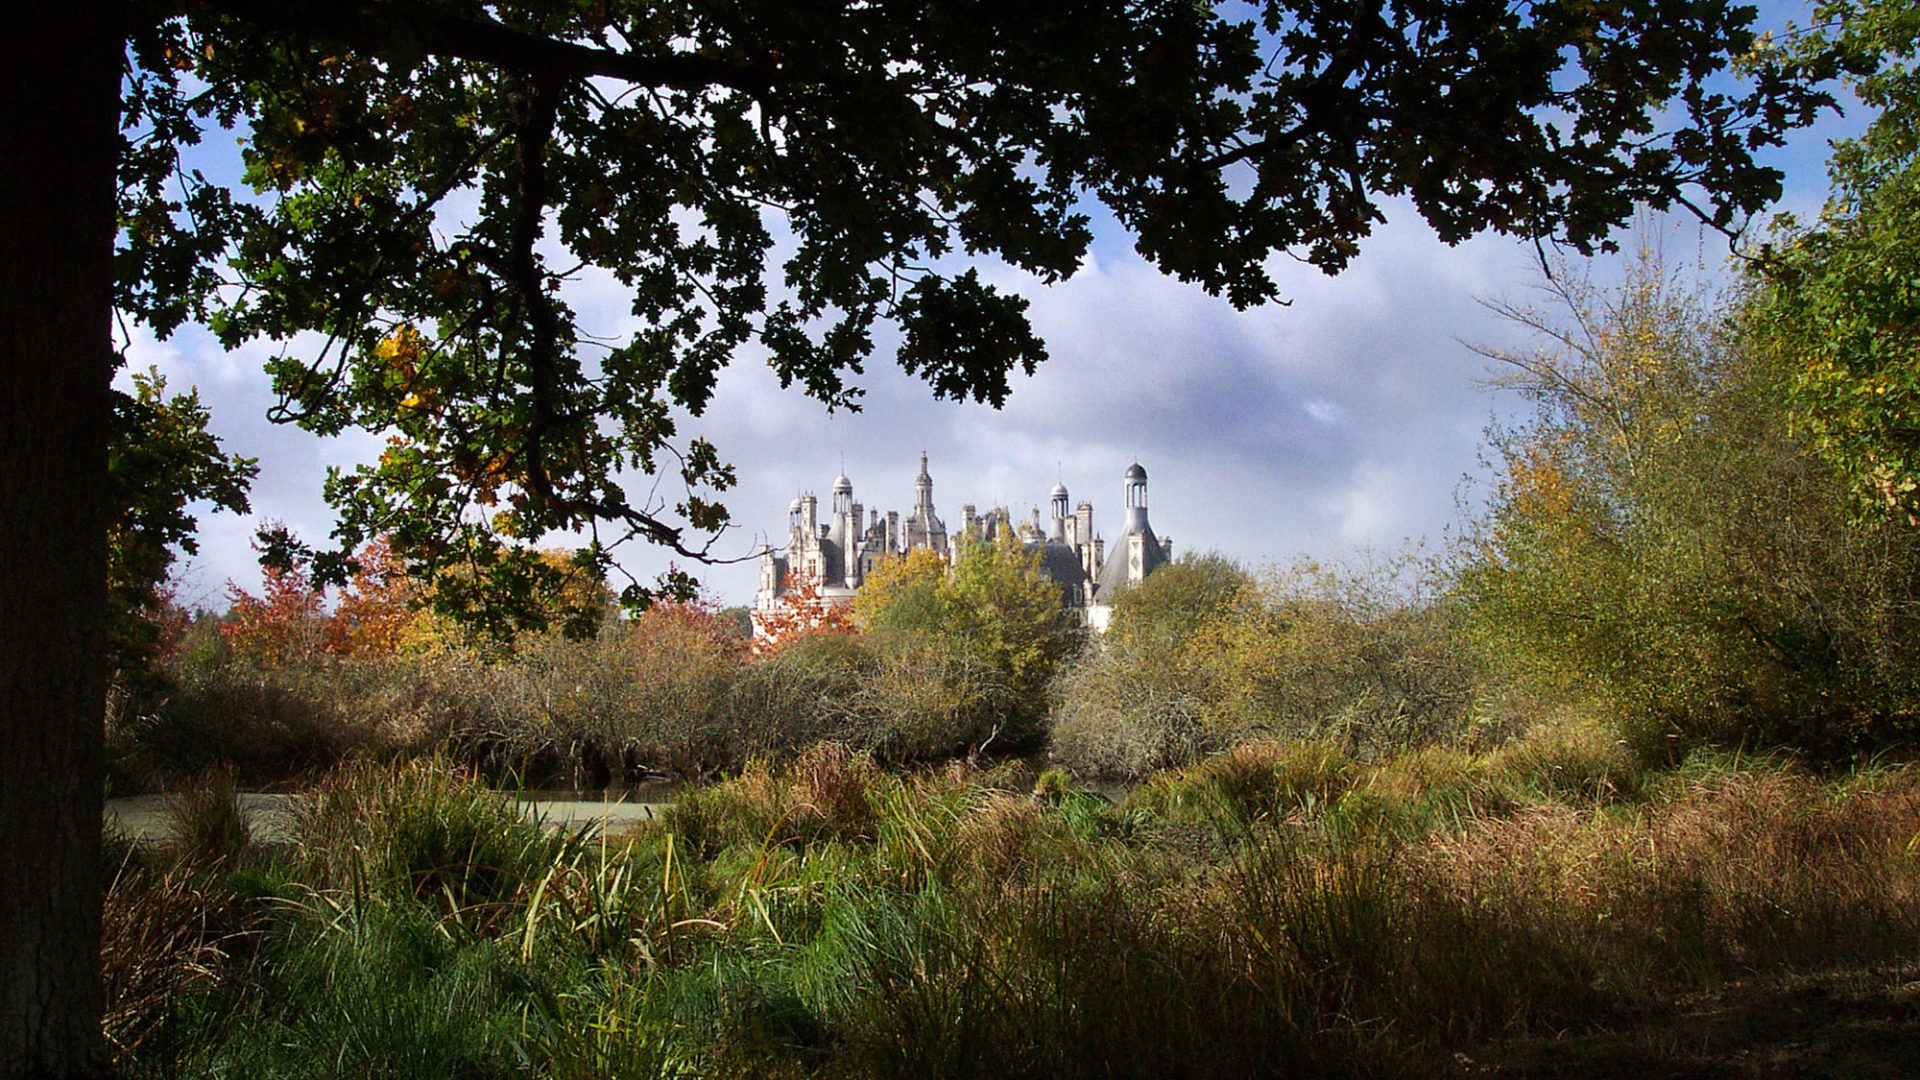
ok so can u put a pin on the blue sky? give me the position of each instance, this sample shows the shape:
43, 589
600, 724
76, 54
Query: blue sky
1351, 419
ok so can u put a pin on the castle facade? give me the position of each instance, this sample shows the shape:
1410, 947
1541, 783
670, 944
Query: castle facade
837, 551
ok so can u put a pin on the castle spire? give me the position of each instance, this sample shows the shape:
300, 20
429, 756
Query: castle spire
924, 528
923, 487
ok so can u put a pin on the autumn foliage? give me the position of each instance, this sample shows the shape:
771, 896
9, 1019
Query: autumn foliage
282, 625
693, 623
804, 611
1669, 548
376, 615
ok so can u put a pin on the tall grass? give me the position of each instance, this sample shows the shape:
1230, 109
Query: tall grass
1286, 911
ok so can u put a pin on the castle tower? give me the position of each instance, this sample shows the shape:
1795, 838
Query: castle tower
840, 529
1137, 552
925, 529
1060, 513
1136, 479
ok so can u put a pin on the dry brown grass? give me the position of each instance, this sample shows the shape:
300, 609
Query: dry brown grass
833, 791
999, 840
163, 932
1550, 912
207, 825
822, 917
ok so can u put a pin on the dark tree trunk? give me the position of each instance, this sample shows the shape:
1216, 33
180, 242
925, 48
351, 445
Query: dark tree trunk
59, 109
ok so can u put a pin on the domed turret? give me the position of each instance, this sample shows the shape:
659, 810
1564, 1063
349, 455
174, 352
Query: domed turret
1060, 512
1138, 552
1136, 499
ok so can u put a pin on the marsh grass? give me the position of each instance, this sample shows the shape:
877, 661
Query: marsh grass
1252, 782
164, 932
827, 918
205, 824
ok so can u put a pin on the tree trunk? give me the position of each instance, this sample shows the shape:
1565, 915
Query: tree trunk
59, 112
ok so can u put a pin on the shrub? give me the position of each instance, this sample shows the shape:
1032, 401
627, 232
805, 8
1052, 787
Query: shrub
165, 931
924, 700
1666, 547
828, 792
269, 724
1124, 711
1371, 658
990, 630
1179, 600
205, 821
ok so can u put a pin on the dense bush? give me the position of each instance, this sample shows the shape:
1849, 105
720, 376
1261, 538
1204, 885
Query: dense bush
275, 723
1665, 547
675, 688
1201, 657
988, 632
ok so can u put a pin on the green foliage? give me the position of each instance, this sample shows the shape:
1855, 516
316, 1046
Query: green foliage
983, 637
1176, 602
903, 595
667, 148
1253, 782
1840, 306
1665, 545
1368, 658
1837, 300
161, 460
385, 996
1000, 607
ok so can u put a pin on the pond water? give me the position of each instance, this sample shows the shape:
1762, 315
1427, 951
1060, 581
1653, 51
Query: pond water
144, 817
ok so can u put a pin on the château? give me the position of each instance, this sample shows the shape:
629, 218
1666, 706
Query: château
838, 552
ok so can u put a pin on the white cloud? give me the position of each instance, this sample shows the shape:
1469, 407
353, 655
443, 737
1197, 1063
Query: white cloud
1323, 411
1346, 419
